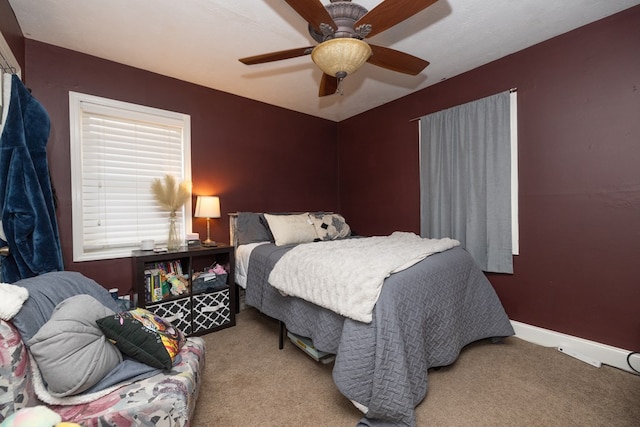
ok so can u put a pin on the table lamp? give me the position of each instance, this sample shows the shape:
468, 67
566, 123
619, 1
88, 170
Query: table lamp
208, 207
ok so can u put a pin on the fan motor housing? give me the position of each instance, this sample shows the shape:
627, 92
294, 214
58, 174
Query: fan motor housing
345, 14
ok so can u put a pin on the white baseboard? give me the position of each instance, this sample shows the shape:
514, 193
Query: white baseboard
590, 352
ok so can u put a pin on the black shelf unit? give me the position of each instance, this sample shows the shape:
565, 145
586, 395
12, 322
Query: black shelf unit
195, 312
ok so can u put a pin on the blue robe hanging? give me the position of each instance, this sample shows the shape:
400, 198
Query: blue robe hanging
26, 196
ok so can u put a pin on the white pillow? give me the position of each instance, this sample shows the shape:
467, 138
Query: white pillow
289, 229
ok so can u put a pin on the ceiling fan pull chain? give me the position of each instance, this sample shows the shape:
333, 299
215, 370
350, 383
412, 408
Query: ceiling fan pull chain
340, 75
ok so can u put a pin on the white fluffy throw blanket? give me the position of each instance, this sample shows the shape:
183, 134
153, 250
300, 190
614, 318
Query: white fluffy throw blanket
11, 299
346, 276
42, 391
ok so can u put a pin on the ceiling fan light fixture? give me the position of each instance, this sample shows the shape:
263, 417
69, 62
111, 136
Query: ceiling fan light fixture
341, 55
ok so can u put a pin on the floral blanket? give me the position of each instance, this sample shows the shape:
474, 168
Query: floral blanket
166, 399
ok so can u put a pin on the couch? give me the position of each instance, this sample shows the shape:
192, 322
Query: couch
138, 396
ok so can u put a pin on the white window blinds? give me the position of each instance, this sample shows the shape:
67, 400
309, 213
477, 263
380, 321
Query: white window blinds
117, 150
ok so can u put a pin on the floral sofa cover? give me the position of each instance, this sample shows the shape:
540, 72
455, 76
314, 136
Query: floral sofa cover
167, 398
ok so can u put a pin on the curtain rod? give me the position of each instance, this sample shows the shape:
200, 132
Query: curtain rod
512, 90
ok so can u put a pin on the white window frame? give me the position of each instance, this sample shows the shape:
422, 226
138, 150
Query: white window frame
8, 64
515, 226
146, 211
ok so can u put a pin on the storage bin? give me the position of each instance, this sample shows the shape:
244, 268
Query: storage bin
211, 310
177, 312
209, 282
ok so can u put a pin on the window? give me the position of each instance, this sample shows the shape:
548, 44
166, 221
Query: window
8, 64
117, 150
469, 178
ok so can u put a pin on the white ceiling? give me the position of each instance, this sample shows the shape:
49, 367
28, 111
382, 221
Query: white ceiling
200, 41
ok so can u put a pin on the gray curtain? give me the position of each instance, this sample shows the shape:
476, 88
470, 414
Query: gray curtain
465, 179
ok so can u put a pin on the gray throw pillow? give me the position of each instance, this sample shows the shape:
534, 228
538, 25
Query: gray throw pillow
251, 228
48, 290
71, 351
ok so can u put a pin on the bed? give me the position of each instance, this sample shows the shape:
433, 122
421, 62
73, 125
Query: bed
422, 318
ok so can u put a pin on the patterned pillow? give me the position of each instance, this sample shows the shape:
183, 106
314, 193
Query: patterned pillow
144, 336
330, 226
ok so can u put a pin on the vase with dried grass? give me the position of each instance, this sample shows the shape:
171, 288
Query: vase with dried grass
171, 196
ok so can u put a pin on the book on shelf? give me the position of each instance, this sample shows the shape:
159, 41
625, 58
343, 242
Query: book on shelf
173, 267
157, 276
154, 279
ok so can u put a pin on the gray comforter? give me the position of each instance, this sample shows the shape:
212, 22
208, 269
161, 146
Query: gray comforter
425, 315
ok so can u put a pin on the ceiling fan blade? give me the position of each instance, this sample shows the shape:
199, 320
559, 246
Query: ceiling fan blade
276, 56
391, 12
313, 12
395, 60
328, 85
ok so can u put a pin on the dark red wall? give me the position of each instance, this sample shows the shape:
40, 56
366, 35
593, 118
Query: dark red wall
253, 155
579, 161
579, 135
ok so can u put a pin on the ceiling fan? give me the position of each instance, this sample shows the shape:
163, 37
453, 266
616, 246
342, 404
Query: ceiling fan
340, 29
